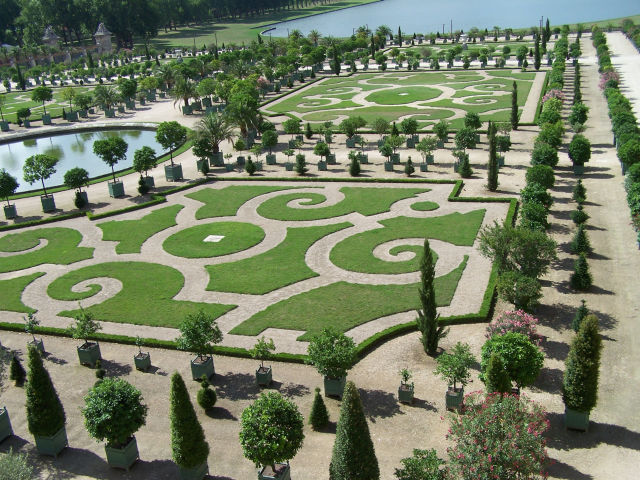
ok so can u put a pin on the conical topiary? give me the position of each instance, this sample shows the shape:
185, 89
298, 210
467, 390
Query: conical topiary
580, 315
188, 445
354, 167
496, 377
353, 453
579, 216
580, 242
319, 417
409, 168
579, 193
581, 277
580, 383
16, 371
464, 169
45, 414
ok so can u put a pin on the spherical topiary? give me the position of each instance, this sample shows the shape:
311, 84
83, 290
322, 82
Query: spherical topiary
579, 216
579, 193
496, 377
319, 417
206, 396
544, 154
579, 149
541, 174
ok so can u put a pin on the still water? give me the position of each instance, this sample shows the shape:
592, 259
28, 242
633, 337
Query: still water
424, 16
72, 150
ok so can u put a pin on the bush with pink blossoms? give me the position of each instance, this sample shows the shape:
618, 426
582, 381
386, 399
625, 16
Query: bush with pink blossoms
609, 79
553, 94
515, 321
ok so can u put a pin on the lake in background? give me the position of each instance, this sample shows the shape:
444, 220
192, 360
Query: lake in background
425, 16
72, 150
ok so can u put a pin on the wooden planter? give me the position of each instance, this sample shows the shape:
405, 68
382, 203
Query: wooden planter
264, 376
89, 353
500, 159
52, 445
186, 110
173, 173
48, 203
288, 166
322, 166
149, 181
216, 160
351, 142
109, 113
120, 110
283, 472
123, 457
575, 420
130, 104
363, 158
38, 345
116, 189
196, 473
388, 166
271, 159
292, 144
454, 399
240, 161
424, 167
440, 143
142, 361
46, 119
430, 160
405, 393
334, 387
202, 366
411, 142
10, 212
230, 167
4, 126
206, 102
26, 123
395, 158
5, 424
331, 159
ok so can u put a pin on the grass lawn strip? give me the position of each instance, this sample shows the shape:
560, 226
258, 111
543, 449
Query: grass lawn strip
190, 242
355, 253
146, 297
61, 248
225, 202
11, 293
345, 305
131, 234
364, 200
277, 268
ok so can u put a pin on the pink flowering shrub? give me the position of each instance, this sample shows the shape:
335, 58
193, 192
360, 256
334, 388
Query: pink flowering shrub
609, 79
498, 437
553, 94
515, 321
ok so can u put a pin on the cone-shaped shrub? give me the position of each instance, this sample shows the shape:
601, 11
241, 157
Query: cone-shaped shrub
16, 371
45, 414
409, 168
579, 193
579, 216
580, 385
581, 277
580, 242
353, 454
354, 167
319, 417
496, 377
188, 445
580, 315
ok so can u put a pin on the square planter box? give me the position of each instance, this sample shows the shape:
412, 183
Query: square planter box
300, 138
83, 113
206, 102
264, 376
196, 105
130, 104
52, 445
109, 113
120, 110
5, 424
334, 387
283, 472
151, 97
240, 161
89, 353
123, 457
575, 420
331, 159
388, 166
200, 367
500, 159
258, 164
149, 181
195, 473
395, 158
4, 126
173, 173
454, 399
92, 111
199, 164
292, 144
405, 393
424, 167
216, 160
578, 169
162, 95
322, 166
351, 142
72, 117
38, 344
116, 189
142, 101
430, 160
229, 167
411, 143
48, 203
186, 110
26, 123
142, 361
10, 212
271, 159
288, 166
363, 158
440, 143
46, 119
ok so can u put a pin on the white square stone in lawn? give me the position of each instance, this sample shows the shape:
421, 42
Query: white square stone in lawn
214, 238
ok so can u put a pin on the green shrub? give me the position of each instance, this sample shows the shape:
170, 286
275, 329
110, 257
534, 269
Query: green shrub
521, 358
15, 466
16, 371
199, 332
579, 216
542, 175
301, 164
629, 153
579, 149
206, 396
250, 167
534, 192
520, 290
580, 242
551, 133
581, 314
544, 154
578, 113
45, 413
423, 465
409, 168
533, 216
319, 417
464, 169
354, 166
332, 353
496, 378
454, 367
581, 277
579, 193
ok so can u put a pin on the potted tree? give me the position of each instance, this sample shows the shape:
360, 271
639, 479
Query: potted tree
199, 333
289, 152
84, 327
171, 135
77, 178
441, 130
45, 414
405, 391
454, 368
386, 151
41, 167
262, 351
292, 127
144, 159
271, 433
43, 94
111, 151
114, 412
381, 127
409, 126
30, 324
270, 140
503, 144
8, 186
426, 146
142, 360
395, 142
332, 353
23, 115
579, 152
363, 158
322, 150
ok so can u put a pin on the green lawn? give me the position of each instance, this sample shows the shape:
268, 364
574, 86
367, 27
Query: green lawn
345, 305
355, 253
131, 234
189, 243
18, 99
424, 206
277, 268
364, 200
146, 297
62, 248
11, 293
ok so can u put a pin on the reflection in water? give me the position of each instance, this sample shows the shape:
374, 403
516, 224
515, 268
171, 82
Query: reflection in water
29, 143
54, 151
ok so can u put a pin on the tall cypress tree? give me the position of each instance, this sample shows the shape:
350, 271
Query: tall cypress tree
188, 445
427, 317
45, 414
353, 454
547, 31
536, 53
514, 106
492, 170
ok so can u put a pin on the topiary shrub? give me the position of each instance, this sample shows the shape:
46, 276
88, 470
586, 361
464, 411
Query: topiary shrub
301, 164
423, 465
354, 166
521, 358
579, 149
542, 175
319, 417
581, 277
534, 192
206, 396
579, 193
581, 314
544, 154
332, 353
533, 216
580, 242
409, 168
579, 216
250, 167
496, 378
16, 371
519, 289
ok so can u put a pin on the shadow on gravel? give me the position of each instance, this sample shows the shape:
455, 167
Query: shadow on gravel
290, 389
115, 369
562, 439
220, 413
419, 403
50, 357
557, 316
549, 380
562, 470
236, 386
379, 404
555, 350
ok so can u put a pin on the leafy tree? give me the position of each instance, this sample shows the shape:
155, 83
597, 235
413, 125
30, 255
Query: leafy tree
581, 277
262, 350
291, 126
522, 291
579, 149
472, 121
319, 417
542, 175
170, 135
492, 169
83, 100
579, 193
409, 126
552, 133
270, 139
579, 114
184, 89
514, 106
15, 466
321, 149
580, 241
423, 465
354, 166
76, 178
353, 452
39, 167
8, 185
332, 353
426, 146
534, 192
427, 319
212, 130
188, 445
533, 216
144, 159
454, 367
441, 130
580, 383
16, 371
111, 151
271, 430
544, 154
465, 138
45, 414
496, 378
629, 152
84, 326
380, 126
581, 314
42, 94
521, 358
199, 332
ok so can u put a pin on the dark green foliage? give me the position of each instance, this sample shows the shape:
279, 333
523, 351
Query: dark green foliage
308, 131
579, 149
319, 417
552, 133
353, 453
533, 216
578, 114
544, 154
580, 384
580, 242
250, 167
354, 167
423, 465
472, 121
542, 175
204, 167
496, 377
100, 372
409, 168
492, 169
534, 192
520, 290
579, 193
579, 216
581, 314
16, 371
78, 201
427, 316
464, 169
521, 358
206, 396
394, 130
332, 353
143, 188
514, 106
633, 174
45, 414
301, 164
188, 445
536, 55
581, 277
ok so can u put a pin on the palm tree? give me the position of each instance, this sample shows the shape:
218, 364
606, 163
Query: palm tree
314, 36
105, 95
244, 114
214, 129
383, 31
184, 89
496, 29
295, 35
166, 74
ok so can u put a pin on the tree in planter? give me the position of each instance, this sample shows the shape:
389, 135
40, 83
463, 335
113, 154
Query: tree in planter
8, 185
542, 175
353, 453
30, 325
292, 127
579, 149
319, 417
521, 358
497, 378
68, 94
199, 332
23, 114
84, 327
581, 277
39, 167
464, 166
423, 465
188, 445
409, 168
579, 193
380, 126
332, 353
454, 367
472, 121
426, 147
321, 149
270, 140
521, 290
354, 166
301, 164
465, 138
409, 126
579, 114
144, 159
16, 371
581, 314
77, 178
441, 130
111, 151
514, 106
289, 152
42, 94
271, 431
171, 135
212, 130
386, 151
580, 241
262, 350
